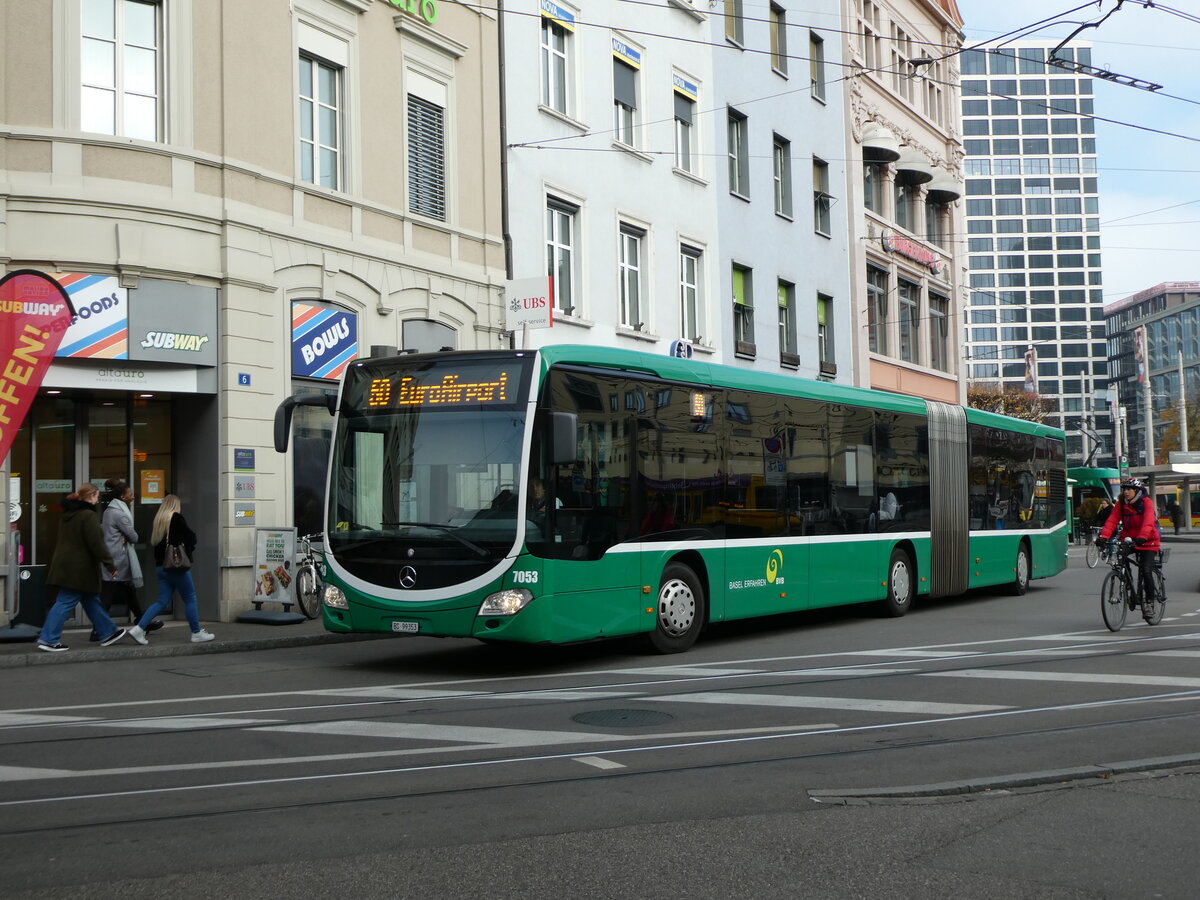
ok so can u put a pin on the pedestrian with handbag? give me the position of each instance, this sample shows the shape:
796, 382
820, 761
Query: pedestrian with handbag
75, 571
119, 536
174, 543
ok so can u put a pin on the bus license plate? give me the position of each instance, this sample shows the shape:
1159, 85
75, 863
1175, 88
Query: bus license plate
406, 627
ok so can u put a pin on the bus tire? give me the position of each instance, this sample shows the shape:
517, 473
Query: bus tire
901, 584
680, 612
1021, 570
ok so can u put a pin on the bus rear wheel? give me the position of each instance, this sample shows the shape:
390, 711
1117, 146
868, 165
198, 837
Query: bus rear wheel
901, 585
681, 610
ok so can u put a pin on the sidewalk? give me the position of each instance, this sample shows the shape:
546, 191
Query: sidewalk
174, 639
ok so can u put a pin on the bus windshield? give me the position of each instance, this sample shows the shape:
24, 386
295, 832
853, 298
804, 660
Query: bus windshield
427, 465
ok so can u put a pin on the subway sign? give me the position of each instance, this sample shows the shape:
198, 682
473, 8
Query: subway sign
424, 9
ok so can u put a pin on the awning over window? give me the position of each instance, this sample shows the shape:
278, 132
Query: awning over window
944, 187
879, 144
913, 168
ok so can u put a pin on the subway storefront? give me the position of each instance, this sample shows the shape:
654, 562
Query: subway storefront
132, 395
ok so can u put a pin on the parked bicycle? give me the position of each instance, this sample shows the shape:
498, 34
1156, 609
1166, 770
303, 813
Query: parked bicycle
1122, 589
309, 586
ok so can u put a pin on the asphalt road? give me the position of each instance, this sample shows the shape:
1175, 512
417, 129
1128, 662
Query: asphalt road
987, 746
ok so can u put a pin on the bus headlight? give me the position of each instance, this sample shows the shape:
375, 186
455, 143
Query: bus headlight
335, 598
505, 603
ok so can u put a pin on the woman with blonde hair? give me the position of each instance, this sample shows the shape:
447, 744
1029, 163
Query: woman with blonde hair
170, 528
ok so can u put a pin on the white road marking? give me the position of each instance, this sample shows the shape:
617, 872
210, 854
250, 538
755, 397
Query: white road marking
9, 720
694, 671
183, 723
917, 707
28, 773
392, 692
916, 653
1071, 677
467, 734
599, 762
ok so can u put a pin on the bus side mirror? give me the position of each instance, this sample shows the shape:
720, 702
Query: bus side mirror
283, 414
563, 427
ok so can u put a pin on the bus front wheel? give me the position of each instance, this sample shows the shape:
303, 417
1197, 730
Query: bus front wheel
681, 610
1020, 582
901, 585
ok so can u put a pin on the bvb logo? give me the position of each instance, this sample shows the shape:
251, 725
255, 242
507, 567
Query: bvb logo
774, 564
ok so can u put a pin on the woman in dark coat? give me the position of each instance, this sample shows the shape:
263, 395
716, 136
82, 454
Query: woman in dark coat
75, 571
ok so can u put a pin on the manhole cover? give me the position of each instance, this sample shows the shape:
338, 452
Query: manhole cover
616, 718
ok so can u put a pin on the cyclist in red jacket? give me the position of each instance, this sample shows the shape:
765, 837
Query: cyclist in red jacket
1137, 517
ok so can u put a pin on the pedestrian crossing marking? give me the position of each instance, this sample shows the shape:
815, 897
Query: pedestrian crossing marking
183, 723
464, 734
599, 762
906, 707
1072, 677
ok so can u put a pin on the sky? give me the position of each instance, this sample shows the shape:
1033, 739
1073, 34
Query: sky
1149, 183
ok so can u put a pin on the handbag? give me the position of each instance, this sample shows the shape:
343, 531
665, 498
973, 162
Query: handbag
176, 559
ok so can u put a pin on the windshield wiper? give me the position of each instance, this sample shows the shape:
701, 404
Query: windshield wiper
446, 530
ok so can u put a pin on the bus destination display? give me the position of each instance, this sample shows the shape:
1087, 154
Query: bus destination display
450, 390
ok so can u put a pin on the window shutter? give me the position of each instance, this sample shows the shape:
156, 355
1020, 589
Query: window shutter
624, 84
426, 158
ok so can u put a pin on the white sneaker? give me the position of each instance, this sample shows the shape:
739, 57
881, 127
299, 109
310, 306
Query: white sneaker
199, 637
138, 635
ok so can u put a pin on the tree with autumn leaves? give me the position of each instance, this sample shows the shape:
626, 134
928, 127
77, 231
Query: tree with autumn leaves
1167, 427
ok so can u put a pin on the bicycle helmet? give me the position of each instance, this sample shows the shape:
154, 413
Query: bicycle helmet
1132, 483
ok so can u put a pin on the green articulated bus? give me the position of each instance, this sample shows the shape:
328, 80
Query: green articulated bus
575, 493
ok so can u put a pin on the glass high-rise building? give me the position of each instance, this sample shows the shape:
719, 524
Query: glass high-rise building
1034, 317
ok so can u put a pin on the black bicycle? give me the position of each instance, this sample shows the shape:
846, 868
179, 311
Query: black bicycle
1122, 588
309, 586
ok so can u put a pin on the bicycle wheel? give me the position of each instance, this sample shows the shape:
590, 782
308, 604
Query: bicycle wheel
1113, 599
308, 590
1160, 599
1092, 556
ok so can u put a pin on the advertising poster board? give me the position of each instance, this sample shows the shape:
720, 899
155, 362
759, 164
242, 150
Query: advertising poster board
274, 565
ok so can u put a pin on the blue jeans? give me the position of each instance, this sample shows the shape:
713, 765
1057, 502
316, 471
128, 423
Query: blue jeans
65, 605
168, 584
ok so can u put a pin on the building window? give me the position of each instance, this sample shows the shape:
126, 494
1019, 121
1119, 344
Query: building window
685, 151
734, 26
320, 122
905, 197
870, 26
629, 273
778, 24
121, 69
786, 292
816, 65
935, 98
556, 45
822, 199
743, 309
739, 159
936, 215
624, 101
825, 332
873, 187
691, 298
426, 158
877, 310
907, 294
902, 52
561, 220
782, 152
